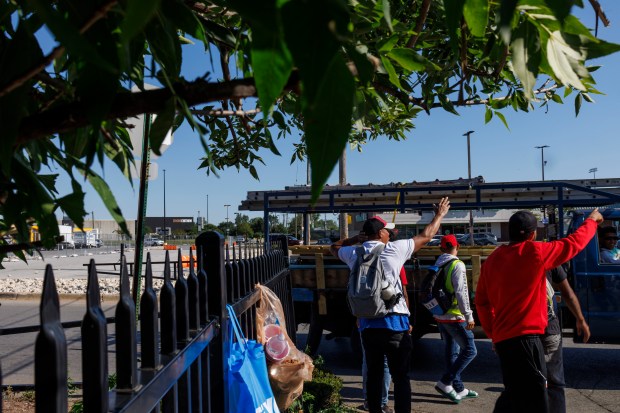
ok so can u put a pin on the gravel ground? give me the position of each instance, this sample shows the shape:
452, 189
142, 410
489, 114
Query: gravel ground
70, 270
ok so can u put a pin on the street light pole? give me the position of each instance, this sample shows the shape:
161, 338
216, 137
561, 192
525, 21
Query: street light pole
471, 214
542, 167
207, 208
165, 229
593, 171
542, 159
227, 206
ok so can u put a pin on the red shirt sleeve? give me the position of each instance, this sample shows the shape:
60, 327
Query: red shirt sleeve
558, 252
403, 276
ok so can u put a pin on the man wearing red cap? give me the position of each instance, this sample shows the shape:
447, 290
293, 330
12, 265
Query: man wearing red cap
388, 336
455, 324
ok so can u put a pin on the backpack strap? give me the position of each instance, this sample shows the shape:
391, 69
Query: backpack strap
452, 263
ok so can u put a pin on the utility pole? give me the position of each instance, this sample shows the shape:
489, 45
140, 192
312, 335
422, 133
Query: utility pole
471, 214
542, 167
342, 181
207, 208
227, 206
165, 229
542, 159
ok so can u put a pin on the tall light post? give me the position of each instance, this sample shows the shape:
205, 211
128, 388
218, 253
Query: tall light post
165, 229
542, 167
593, 172
227, 206
207, 208
471, 214
542, 159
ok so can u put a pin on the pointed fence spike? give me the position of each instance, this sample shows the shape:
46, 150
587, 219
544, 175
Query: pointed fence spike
92, 286
167, 267
50, 352
148, 274
191, 262
180, 264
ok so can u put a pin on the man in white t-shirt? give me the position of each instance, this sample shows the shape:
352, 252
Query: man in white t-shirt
388, 336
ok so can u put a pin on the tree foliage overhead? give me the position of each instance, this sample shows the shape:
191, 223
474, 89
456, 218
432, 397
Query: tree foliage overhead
337, 71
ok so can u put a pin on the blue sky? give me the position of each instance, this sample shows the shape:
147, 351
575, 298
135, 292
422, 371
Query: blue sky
435, 149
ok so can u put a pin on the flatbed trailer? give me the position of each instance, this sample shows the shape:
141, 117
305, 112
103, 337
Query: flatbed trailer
319, 282
319, 279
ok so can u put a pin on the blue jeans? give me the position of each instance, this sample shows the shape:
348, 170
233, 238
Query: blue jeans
386, 378
460, 351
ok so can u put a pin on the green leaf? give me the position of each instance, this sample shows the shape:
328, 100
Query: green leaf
164, 45
502, 118
69, 35
106, 195
13, 109
410, 60
272, 64
587, 98
162, 126
564, 61
578, 101
387, 14
488, 115
556, 98
476, 14
507, 10
178, 13
526, 56
391, 72
453, 14
387, 44
137, 15
328, 122
73, 204
560, 8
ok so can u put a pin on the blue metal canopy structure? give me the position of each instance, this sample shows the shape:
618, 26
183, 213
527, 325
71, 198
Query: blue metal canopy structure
464, 194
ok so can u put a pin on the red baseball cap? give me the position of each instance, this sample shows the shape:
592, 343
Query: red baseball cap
448, 242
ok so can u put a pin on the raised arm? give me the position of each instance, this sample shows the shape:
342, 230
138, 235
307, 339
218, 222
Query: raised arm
431, 229
346, 242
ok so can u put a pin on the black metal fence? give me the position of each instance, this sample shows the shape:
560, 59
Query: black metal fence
181, 340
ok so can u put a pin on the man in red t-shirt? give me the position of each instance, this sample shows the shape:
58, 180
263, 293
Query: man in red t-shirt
511, 300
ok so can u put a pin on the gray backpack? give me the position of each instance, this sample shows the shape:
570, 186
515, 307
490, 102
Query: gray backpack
364, 289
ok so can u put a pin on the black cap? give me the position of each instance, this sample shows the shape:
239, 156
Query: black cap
521, 224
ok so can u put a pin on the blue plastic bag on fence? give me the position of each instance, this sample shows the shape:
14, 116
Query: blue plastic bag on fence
248, 382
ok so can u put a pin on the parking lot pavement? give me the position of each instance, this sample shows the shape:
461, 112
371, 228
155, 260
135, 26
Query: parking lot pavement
592, 376
72, 263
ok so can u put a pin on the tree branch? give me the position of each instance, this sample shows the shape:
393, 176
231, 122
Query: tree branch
73, 115
222, 112
57, 52
420, 24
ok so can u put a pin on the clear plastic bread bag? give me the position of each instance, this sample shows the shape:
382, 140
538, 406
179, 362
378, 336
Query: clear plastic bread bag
288, 367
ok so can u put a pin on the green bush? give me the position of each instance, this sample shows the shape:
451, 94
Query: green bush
322, 394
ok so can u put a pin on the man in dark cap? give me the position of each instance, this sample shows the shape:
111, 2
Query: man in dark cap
511, 299
389, 335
